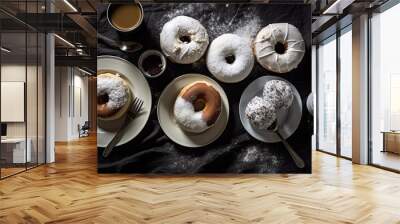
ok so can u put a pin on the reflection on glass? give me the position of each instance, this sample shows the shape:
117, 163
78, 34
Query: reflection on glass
22, 90
15, 149
346, 94
385, 92
327, 96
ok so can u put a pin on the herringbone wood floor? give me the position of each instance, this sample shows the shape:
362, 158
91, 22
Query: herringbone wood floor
70, 191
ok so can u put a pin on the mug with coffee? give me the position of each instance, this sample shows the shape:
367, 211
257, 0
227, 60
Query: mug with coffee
125, 17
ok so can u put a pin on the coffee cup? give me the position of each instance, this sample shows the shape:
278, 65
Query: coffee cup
125, 17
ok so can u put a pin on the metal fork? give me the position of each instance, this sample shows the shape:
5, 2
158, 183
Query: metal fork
134, 109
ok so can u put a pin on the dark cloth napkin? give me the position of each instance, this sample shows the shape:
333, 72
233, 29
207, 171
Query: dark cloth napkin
235, 151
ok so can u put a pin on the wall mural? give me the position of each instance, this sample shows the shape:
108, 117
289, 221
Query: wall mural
204, 88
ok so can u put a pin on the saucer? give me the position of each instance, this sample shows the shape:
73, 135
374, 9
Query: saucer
167, 120
288, 121
106, 130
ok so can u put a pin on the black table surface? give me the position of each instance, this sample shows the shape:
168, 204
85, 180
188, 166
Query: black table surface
235, 151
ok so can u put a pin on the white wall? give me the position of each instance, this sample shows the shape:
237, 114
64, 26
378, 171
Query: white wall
61, 103
71, 94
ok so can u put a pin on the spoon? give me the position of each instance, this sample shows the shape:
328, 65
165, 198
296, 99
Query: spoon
126, 46
296, 158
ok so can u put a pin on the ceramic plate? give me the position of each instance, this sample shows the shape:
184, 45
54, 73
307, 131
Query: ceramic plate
288, 121
167, 120
139, 87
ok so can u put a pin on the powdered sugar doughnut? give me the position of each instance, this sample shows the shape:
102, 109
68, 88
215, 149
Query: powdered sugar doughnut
261, 113
279, 93
184, 40
197, 107
279, 47
112, 94
230, 58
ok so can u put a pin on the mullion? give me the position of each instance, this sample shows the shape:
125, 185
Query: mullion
37, 90
338, 94
317, 97
26, 87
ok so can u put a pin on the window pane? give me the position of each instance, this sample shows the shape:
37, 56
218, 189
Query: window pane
385, 84
346, 94
327, 96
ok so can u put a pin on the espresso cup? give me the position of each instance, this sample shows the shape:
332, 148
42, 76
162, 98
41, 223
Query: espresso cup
125, 17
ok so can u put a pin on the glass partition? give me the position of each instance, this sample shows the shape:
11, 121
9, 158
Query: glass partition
22, 77
14, 145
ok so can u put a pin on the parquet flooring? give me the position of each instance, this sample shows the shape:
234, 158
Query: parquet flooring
71, 191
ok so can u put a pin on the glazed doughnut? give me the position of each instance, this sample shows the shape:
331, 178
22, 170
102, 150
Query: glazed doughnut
279, 47
261, 113
112, 94
183, 40
230, 58
197, 107
279, 93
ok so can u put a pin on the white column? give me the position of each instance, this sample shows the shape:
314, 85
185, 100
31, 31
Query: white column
50, 94
360, 90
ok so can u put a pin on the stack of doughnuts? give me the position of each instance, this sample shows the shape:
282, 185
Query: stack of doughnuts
262, 111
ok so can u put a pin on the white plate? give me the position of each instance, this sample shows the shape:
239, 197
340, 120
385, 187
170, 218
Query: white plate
139, 87
167, 120
288, 122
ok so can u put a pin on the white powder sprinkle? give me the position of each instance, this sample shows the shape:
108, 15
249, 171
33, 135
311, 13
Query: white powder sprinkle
244, 22
115, 88
187, 117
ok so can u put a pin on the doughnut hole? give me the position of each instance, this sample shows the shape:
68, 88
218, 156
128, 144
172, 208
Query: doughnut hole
280, 48
199, 104
185, 39
103, 99
230, 59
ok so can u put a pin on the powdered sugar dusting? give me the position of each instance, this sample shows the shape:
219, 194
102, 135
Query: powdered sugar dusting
228, 45
244, 21
115, 88
250, 29
187, 117
178, 51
